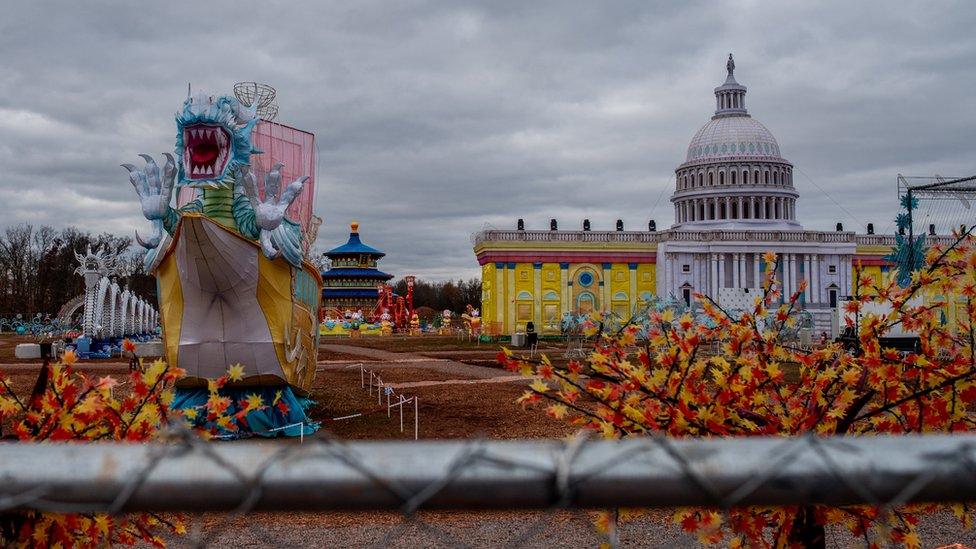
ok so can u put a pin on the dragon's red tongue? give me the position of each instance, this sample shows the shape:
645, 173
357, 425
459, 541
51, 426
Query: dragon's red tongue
204, 154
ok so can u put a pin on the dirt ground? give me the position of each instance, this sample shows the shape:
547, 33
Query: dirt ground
453, 406
485, 410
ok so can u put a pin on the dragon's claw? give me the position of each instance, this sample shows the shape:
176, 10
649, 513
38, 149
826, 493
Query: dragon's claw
270, 211
156, 237
154, 192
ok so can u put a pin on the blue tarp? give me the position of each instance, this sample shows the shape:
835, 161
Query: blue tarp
269, 422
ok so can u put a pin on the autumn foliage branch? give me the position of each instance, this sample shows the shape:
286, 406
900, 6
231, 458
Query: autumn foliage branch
71, 406
740, 375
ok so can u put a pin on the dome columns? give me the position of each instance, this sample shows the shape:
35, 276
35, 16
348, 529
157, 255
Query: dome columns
735, 208
736, 173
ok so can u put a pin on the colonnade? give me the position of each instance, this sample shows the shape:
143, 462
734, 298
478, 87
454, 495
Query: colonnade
735, 207
712, 272
763, 174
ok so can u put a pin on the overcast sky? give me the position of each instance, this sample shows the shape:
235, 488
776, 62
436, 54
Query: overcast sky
436, 119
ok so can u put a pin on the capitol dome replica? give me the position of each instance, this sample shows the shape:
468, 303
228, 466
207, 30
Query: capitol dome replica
733, 175
734, 201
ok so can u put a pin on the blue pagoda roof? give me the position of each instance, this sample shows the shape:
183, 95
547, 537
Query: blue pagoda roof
355, 246
353, 293
351, 272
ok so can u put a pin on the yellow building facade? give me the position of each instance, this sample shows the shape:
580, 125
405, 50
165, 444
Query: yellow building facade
538, 276
540, 281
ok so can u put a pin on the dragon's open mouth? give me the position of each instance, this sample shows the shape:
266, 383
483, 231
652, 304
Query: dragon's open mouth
206, 149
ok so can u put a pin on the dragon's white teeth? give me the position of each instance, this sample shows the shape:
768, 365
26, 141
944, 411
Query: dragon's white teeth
196, 170
209, 170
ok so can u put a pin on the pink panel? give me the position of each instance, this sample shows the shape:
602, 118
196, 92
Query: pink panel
296, 150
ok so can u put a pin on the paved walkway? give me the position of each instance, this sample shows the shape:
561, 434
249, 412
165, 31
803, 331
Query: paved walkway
496, 379
389, 359
377, 359
81, 364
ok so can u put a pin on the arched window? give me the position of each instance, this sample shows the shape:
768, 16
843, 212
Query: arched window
700, 181
755, 180
584, 303
766, 174
710, 183
733, 178
721, 178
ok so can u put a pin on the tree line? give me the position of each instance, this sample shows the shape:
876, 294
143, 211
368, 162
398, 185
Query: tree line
37, 267
453, 295
37, 272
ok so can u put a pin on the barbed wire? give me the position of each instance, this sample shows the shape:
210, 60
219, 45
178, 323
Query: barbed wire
183, 473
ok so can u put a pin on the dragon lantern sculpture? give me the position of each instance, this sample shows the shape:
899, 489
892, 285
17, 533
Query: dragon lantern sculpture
234, 285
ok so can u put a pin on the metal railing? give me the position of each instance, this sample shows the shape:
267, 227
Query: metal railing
327, 474
696, 236
188, 474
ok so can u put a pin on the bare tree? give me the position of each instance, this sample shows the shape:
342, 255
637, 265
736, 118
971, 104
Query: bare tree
37, 267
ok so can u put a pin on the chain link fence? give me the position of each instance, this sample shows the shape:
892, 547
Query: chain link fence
186, 474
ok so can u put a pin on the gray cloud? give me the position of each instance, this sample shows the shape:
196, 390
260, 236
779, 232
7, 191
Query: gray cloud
435, 118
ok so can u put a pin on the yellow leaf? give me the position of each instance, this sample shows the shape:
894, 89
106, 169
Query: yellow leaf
253, 402
558, 411
155, 370
539, 386
235, 372
102, 523
911, 540
850, 377
8, 406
